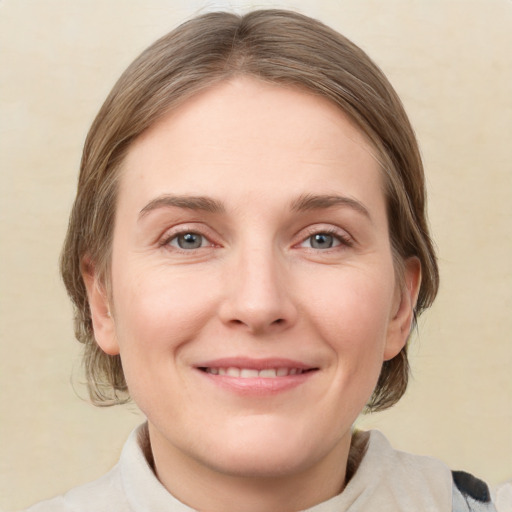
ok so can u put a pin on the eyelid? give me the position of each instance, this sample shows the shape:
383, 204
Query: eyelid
189, 227
345, 239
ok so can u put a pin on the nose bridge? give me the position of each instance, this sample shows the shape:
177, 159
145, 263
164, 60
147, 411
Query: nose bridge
258, 296
258, 275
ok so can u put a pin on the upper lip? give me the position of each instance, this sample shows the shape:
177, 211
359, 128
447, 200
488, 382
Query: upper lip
254, 363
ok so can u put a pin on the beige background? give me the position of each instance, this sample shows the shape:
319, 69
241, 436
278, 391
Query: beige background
451, 61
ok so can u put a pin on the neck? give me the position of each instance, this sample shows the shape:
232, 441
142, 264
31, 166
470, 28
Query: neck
205, 488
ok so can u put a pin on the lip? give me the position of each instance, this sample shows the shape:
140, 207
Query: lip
257, 386
254, 363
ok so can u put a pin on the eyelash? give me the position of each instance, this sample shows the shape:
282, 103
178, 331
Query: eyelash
166, 241
344, 239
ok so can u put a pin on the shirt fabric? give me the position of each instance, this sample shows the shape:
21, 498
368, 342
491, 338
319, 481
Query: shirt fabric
386, 480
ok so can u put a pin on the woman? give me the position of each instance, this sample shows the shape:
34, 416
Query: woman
247, 254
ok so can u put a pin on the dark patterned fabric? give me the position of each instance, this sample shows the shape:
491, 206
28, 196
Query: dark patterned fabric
470, 494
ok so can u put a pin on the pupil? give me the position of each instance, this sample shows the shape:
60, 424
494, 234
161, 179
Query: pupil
322, 241
189, 241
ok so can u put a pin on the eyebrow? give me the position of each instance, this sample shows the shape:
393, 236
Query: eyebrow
303, 203
318, 202
206, 204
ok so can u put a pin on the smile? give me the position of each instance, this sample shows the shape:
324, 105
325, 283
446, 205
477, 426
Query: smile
251, 373
256, 377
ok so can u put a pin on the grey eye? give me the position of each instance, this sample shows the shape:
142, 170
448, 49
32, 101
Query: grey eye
188, 241
322, 241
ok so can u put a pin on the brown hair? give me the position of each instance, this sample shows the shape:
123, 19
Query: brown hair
277, 46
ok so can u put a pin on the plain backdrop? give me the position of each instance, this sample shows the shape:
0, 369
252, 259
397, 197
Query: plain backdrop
451, 63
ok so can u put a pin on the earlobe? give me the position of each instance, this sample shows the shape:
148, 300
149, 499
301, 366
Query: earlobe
401, 323
102, 320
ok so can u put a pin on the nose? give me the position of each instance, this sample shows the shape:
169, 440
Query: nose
258, 294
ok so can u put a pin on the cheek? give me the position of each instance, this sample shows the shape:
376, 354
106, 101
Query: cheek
159, 308
352, 300
351, 310
157, 312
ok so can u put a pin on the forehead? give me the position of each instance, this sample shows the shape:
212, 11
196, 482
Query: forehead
248, 136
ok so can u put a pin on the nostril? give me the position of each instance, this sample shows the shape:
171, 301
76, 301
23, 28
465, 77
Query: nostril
251, 325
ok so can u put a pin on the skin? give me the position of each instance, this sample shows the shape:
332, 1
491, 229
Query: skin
257, 287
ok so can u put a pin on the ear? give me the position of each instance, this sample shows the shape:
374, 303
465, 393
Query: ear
403, 309
102, 320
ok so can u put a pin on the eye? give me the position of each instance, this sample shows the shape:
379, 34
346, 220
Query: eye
188, 240
321, 241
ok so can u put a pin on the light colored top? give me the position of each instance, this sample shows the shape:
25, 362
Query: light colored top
386, 480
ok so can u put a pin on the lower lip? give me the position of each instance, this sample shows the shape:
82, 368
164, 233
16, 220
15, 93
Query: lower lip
258, 386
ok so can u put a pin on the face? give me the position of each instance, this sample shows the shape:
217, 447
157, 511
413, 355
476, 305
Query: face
254, 297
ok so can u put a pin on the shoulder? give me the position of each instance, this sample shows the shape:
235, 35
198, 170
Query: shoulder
130, 485
106, 494
103, 495
427, 481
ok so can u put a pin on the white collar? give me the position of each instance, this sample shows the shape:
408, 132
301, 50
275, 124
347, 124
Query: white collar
386, 480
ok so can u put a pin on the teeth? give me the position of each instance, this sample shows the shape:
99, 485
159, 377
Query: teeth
233, 372
248, 373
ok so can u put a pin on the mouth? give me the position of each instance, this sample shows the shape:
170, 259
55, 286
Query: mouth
257, 376
252, 373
